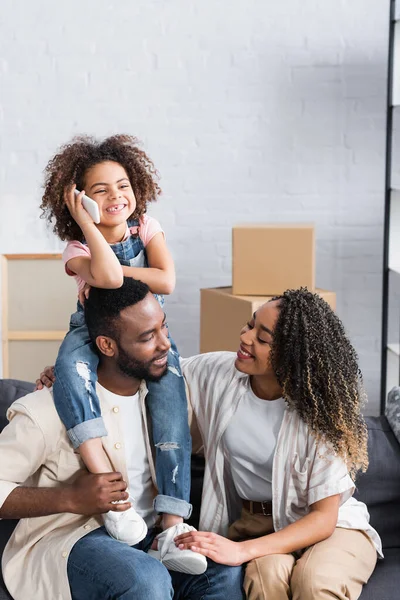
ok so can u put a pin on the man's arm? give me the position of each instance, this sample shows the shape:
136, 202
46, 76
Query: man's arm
23, 450
89, 495
25, 502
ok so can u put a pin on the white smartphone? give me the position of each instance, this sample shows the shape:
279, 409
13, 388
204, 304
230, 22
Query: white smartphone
90, 206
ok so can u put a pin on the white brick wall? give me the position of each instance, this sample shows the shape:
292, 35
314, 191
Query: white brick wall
251, 110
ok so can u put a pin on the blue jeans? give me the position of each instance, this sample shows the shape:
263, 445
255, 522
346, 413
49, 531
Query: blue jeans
78, 406
100, 568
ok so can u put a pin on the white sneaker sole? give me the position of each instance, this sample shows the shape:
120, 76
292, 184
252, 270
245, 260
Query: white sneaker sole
185, 561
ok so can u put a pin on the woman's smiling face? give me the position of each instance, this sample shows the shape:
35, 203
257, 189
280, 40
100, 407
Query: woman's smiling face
254, 354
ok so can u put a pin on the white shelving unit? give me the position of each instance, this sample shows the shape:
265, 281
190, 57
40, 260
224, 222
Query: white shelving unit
396, 65
392, 362
394, 231
391, 266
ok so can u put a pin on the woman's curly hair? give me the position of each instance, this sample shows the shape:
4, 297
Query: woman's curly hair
72, 161
317, 368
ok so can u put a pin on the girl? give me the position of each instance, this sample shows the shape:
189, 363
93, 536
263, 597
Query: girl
122, 180
284, 438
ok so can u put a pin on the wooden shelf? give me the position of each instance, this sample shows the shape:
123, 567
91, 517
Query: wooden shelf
34, 321
36, 335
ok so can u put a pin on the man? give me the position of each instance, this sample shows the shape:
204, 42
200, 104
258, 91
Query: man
59, 549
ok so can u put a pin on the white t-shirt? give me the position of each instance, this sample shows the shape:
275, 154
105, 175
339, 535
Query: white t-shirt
137, 462
250, 441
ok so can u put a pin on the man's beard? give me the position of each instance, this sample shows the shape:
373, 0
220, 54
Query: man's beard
136, 368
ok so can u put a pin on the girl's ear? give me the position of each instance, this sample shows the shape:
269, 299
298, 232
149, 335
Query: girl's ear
106, 345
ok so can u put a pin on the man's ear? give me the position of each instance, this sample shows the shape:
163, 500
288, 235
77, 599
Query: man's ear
106, 345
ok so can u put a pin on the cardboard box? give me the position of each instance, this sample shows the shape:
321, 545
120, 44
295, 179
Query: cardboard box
223, 315
269, 259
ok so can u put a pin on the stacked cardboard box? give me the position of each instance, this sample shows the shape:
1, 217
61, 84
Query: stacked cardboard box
266, 261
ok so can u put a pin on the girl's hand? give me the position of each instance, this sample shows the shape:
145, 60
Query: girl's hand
75, 207
84, 293
214, 546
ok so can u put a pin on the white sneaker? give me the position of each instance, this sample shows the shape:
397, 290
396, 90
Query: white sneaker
175, 559
127, 527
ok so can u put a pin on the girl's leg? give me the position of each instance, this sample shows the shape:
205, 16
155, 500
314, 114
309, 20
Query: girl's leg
171, 437
74, 389
76, 399
94, 456
167, 405
335, 568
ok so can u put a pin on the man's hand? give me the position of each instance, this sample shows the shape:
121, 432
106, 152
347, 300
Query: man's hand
46, 378
214, 546
93, 494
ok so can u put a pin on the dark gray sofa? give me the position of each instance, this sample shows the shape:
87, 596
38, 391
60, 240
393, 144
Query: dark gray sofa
379, 488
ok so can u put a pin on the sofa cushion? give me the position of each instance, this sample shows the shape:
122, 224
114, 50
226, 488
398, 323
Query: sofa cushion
379, 487
10, 390
392, 411
384, 583
6, 529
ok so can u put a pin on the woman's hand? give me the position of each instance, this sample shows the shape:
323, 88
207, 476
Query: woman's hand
214, 546
75, 206
46, 379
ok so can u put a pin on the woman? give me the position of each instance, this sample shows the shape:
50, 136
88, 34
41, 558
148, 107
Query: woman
284, 439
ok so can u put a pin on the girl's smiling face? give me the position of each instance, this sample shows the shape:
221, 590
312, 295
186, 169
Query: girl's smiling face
108, 184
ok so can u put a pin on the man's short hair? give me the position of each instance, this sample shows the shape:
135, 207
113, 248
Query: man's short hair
103, 307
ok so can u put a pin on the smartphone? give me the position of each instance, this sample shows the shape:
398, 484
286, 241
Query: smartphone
90, 206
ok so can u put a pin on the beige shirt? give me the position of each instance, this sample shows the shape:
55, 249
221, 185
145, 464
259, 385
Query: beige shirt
303, 470
36, 451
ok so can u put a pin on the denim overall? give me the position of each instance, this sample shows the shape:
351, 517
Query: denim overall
166, 399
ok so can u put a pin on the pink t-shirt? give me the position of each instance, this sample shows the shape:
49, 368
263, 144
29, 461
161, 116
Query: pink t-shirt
147, 229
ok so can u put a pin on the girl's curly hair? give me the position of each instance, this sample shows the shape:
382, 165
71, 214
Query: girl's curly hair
317, 368
72, 161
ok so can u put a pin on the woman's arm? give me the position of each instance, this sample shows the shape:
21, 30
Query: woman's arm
160, 276
318, 525
102, 269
